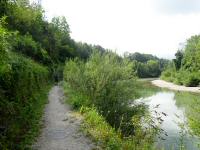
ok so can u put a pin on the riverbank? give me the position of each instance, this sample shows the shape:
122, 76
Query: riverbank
172, 86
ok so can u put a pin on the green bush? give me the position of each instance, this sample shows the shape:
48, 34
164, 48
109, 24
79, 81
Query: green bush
182, 77
108, 83
184, 69
23, 93
168, 75
178, 79
77, 100
191, 79
22, 97
26, 45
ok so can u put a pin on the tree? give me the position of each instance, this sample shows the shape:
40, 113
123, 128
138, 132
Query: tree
178, 60
61, 25
147, 65
191, 59
153, 68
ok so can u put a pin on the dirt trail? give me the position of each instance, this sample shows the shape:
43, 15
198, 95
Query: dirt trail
171, 86
61, 126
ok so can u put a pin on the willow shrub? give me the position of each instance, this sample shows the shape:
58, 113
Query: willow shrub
106, 82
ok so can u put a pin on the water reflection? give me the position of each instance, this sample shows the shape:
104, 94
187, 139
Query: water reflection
176, 110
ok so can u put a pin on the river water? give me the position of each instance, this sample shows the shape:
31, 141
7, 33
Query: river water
180, 108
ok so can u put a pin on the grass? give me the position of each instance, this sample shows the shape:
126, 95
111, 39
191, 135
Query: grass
102, 133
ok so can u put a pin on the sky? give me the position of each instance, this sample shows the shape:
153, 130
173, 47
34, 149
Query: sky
158, 27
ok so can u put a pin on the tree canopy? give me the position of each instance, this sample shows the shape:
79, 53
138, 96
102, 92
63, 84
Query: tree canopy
147, 65
185, 68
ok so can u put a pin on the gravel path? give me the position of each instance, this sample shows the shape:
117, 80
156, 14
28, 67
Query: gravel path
171, 86
61, 126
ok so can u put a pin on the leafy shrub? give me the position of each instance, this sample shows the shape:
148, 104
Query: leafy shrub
108, 83
191, 79
185, 68
23, 88
168, 75
22, 97
77, 100
182, 77
26, 45
178, 79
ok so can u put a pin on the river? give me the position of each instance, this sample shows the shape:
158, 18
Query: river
181, 108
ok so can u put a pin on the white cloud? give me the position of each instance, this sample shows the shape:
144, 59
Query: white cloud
125, 25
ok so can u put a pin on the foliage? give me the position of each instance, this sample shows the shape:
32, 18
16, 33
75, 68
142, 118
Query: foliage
182, 77
102, 88
21, 100
108, 138
46, 42
178, 60
4, 45
22, 96
192, 109
100, 130
24, 32
194, 119
185, 69
143, 58
27, 46
107, 82
146, 65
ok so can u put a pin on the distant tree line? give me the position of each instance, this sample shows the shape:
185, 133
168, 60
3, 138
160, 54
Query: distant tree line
147, 65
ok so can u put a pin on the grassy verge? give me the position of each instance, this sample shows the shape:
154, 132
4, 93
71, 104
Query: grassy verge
100, 131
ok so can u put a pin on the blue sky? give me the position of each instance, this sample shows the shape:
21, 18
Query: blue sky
174, 7
147, 26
